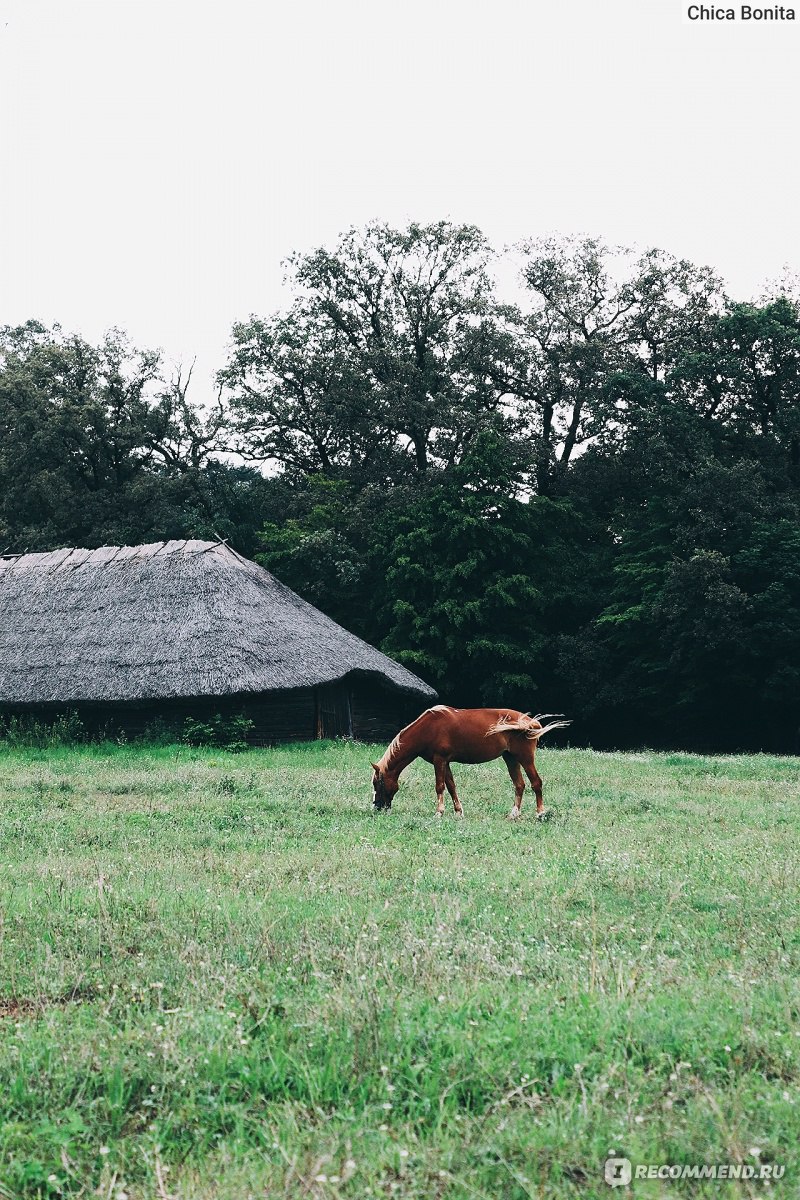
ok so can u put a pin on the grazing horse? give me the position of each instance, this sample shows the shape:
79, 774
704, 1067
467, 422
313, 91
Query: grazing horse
466, 735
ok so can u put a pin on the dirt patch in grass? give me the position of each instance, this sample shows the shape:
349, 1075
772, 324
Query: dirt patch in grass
17, 1007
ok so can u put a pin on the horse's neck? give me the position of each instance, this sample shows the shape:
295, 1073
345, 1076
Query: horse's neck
399, 761
403, 750
398, 756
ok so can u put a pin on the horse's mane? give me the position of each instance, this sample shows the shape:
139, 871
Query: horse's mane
396, 742
390, 751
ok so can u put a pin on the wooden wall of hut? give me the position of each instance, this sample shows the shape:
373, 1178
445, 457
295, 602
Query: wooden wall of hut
379, 713
358, 708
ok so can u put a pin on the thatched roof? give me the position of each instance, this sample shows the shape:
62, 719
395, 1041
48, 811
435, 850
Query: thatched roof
171, 619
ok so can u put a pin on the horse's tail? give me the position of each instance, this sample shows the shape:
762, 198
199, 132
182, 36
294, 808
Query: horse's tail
529, 725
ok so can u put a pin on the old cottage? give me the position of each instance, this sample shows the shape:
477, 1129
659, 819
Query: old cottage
125, 635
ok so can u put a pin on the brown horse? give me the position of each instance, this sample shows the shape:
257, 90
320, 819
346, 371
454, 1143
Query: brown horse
467, 735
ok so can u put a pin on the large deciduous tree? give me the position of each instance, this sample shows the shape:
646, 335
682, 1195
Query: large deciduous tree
379, 367
598, 333
97, 443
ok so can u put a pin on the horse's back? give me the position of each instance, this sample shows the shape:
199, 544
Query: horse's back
463, 734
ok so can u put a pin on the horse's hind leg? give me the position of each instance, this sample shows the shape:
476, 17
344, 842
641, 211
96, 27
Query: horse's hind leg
529, 764
451, 787
519, 783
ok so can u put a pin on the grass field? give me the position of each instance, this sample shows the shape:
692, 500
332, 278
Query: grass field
224, 976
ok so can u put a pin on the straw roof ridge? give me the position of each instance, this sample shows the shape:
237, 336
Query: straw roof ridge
181, 618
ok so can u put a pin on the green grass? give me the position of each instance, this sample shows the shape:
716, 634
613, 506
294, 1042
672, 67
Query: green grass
224, 976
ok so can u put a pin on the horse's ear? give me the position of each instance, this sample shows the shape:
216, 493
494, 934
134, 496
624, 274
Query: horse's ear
375, 766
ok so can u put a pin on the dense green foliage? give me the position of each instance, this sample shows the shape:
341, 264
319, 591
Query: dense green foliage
226, 733
223, 976
586, 500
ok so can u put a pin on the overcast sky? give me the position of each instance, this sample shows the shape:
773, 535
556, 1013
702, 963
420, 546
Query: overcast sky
161, 157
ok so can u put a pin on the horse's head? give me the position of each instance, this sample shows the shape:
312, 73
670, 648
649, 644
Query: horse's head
384, 786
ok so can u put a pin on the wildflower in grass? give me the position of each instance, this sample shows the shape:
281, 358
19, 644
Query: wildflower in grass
383, 1128
105, 1149
755, 1151
386, 1106
320, 1179
404, 1153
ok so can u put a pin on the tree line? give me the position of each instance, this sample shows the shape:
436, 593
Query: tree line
577, 492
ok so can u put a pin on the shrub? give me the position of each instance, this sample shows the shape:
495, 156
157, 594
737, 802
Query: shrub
225, 733
161, 732
28, 731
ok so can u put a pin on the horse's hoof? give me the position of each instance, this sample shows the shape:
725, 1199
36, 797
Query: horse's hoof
438, 816
460, 813
514, 814
544, 815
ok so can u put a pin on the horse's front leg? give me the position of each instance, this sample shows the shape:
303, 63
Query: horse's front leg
451, 787
440, 767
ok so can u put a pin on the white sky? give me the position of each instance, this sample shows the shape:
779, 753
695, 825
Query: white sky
160, 158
